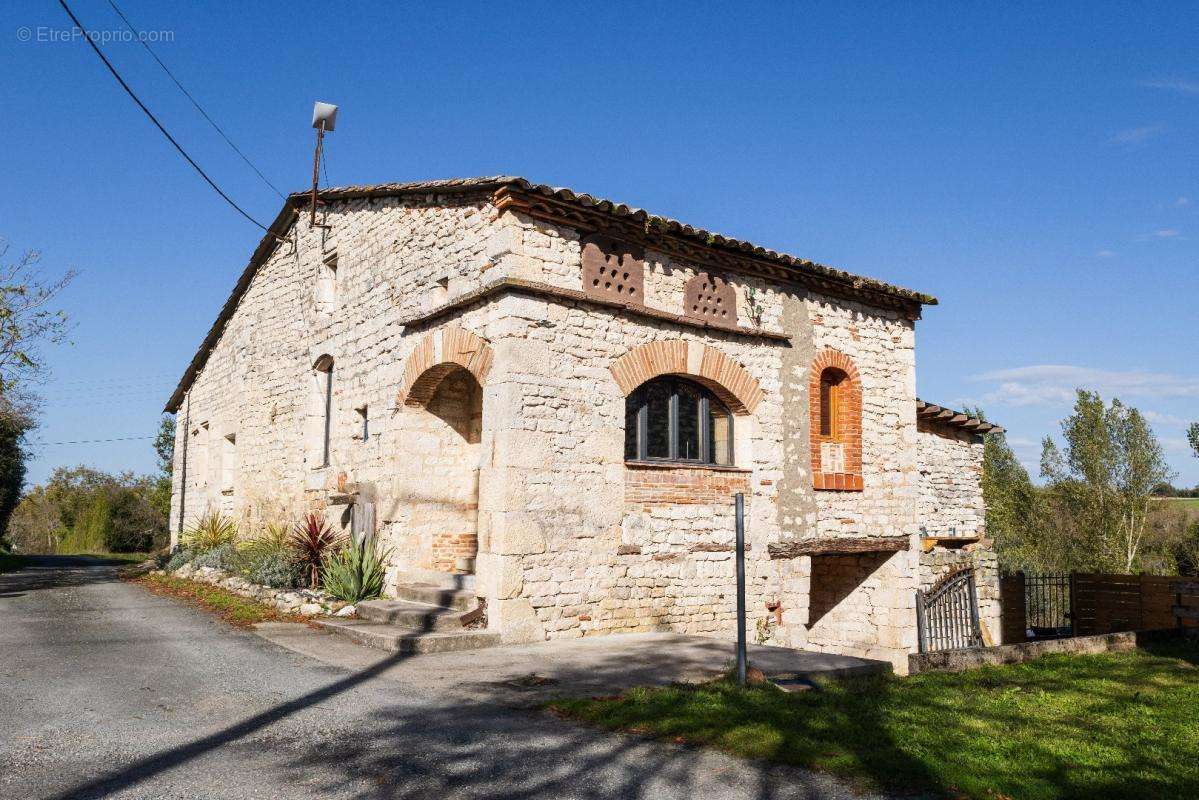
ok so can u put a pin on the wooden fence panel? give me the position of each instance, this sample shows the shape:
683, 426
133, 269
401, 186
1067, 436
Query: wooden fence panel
1011, 594
1113, 603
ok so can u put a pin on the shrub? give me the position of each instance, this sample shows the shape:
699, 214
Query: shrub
312, 540
210, 531
179, 558
354, 573
223, 557
277, 568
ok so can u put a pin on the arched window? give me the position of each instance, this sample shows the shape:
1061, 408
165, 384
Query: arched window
832, 380
674, 419
836, 423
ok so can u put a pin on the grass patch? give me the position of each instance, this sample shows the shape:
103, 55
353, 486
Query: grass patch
11, 562
233, 608
1117, 725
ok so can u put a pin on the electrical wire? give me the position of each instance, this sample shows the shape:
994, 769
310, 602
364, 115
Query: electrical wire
96, 441
87, 36
142, 41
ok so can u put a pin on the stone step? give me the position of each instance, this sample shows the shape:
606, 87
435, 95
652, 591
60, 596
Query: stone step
405, 640
406, 614
427, 593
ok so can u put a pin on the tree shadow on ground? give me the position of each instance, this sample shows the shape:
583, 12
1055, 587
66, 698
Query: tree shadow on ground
49, 572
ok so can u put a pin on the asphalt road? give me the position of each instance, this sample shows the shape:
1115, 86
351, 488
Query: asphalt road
109, 691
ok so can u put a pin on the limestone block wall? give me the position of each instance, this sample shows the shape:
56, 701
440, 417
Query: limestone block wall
258, 386
950, 481
570, 540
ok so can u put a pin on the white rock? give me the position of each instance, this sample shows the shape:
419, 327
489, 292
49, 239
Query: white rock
311, 609
347, 611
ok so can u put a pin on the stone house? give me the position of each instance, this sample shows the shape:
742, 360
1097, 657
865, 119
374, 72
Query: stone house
557, 397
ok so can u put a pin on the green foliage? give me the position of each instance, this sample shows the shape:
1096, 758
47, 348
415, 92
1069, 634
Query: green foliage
1101, 482
354, 573
223, 556
180, 557
1193, 437
164, 444
27, 319
16, 420
210, 531
277, 569
1116, 725
312, 540
87, 510
268, 559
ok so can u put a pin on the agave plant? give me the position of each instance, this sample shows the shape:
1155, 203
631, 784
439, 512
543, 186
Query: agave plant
355, 572
313, 540
210, 531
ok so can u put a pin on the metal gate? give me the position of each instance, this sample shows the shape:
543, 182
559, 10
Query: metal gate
947, 614
1047, 605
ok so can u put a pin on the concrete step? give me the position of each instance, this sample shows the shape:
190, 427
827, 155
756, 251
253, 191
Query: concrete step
405, 640
429, 594
406, 614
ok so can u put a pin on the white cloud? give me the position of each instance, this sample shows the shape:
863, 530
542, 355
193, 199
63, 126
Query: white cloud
1105, 254
1182, 201
1165, 420
1055, 384
1175, 444
1166, 233
1134, 136
1173, 85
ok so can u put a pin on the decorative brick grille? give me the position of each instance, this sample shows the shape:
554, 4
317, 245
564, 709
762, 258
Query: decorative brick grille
710, 298
613, 269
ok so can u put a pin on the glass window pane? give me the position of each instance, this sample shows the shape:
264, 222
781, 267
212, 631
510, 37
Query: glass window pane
657, 439
631, 408
688, 405
720, 439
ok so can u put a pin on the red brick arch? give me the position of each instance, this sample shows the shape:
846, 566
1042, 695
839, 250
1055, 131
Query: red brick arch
730, 381
439, 353
848, 423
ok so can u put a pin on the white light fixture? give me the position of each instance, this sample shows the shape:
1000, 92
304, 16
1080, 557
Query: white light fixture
324, 116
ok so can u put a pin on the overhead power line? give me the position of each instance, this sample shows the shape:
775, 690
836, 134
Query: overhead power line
87, 36
100, 441
142, 41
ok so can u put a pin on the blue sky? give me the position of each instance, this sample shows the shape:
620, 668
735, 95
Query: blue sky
1035, 168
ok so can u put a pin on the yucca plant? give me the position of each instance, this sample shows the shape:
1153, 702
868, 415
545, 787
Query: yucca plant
210, 531
313, 540
271, 538
355, 572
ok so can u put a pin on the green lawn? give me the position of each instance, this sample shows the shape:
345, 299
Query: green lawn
1120, 725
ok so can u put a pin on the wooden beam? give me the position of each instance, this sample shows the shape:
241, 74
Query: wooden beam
842, 545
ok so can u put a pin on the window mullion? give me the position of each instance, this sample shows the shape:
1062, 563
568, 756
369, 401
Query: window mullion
643, 431
703, 430
673, 417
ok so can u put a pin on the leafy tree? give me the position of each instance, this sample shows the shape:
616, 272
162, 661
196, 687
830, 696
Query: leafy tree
1193, 437
1011, 501
16, 420
27, 319
164, 447
164, 443
1102, 481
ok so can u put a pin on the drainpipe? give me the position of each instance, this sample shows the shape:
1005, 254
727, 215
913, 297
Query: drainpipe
187, 416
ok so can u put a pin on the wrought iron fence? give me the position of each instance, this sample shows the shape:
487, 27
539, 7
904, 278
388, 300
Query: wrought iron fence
1047, 606
947, 614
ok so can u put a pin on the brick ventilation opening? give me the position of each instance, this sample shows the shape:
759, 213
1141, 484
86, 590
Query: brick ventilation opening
613, 270
711, 299
454, 552
835, 425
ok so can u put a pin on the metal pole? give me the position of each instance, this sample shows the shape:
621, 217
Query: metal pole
741, 659
316, 167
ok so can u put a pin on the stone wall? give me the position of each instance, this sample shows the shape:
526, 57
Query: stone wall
950, 481
940, 561
571, 541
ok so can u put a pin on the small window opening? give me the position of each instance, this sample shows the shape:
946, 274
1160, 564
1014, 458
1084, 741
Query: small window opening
831, 382
365, 420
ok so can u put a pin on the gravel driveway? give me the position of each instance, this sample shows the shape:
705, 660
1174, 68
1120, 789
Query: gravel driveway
109, 691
